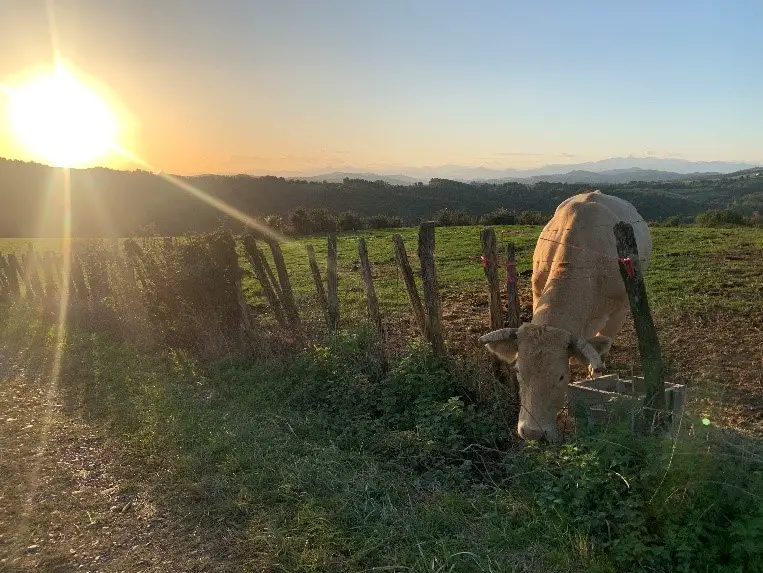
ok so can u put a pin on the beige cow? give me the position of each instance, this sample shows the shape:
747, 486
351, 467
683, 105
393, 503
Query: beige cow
579, 305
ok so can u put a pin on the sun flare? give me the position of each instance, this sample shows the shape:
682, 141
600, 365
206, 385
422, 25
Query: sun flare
62, 121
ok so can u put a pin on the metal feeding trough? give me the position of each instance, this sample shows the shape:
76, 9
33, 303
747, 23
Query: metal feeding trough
609, 398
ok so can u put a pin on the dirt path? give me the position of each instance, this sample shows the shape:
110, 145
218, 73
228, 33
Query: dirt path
68, 504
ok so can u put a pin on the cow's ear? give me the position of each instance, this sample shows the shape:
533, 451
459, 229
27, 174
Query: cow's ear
505, 349
502, 343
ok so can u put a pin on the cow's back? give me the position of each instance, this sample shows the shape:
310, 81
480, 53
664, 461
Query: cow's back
578, 244
585, 222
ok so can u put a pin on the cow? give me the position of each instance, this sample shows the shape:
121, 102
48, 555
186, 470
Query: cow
579, 305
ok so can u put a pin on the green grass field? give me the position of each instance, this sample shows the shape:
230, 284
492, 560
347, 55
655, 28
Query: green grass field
322, 461
692, 268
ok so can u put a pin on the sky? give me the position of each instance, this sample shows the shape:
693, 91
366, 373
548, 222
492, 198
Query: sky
263, 86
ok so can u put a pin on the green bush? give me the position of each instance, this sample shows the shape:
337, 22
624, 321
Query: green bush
453, 218
351, 221
533, 218
384, 222
640, 503
719, 218
500, 216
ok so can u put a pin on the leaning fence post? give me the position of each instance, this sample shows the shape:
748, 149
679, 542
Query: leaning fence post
318, 280
283, 277
332, 283
410, 284
373, 303
22, 269
429, 279
11, 274
33, 264
649, 344
256, 260
51, 286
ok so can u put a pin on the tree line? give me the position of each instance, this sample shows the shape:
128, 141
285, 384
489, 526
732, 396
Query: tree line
106, 202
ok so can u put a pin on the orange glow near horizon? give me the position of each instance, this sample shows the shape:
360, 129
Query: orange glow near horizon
59, 119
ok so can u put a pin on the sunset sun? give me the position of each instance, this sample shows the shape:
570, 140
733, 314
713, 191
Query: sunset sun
62, 121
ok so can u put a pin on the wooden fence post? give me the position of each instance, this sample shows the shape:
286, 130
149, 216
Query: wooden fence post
649, 344
318, 280
410, 284
256, 260
33, 269
373, 303
512, 292
332, 283
78, 278
429, 279
512, 321
271, 276
11, 275
21, 268
290, 306
490, 264
5, 293
49, 272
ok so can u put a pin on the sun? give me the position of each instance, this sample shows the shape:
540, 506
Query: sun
61, 121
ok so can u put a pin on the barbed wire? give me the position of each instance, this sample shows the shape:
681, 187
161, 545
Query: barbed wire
610, 225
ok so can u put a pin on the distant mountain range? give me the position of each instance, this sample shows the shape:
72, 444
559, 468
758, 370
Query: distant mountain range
606, 171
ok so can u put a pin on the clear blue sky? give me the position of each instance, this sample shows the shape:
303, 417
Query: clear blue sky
313, 84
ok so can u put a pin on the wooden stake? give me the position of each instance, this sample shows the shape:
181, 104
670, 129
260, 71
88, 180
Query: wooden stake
332, 283
410, 284
21, 269
512, 321
271, 276
11, 275
649, 344
256, 260
318, 280
429, 279
512, 292
48, 269
373, 303
490, 265
290, 306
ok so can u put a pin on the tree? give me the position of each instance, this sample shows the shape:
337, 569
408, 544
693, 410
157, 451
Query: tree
351, 221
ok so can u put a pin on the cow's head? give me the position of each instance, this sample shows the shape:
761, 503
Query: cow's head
541, 357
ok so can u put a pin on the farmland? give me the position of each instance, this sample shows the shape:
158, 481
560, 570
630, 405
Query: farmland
319, 460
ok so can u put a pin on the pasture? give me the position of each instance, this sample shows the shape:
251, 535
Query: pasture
319, 459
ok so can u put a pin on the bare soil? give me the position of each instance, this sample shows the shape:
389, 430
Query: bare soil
719, 356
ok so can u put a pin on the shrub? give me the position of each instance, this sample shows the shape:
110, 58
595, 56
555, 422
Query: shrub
453, 218
385, 222
301, 221
533, 218
310, 221
351, 221
324, 221
275, 222
500, 216
719, 218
